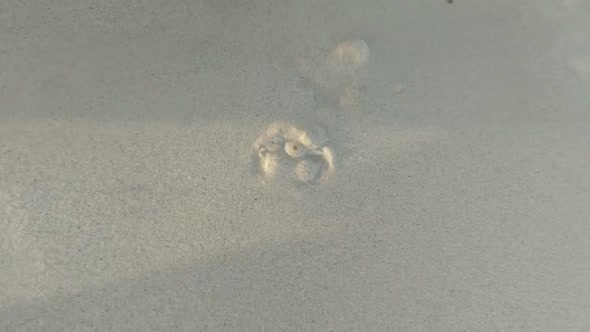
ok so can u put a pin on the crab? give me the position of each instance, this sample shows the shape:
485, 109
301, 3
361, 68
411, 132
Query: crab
285, 146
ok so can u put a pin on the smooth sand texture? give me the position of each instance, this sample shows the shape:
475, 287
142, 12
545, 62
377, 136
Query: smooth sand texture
441, 179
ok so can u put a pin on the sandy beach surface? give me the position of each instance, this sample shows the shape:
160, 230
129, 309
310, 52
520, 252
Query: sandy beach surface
347, 165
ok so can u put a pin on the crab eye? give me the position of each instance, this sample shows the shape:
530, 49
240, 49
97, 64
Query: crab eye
294, 149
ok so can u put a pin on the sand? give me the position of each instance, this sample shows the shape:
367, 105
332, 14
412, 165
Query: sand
295, 165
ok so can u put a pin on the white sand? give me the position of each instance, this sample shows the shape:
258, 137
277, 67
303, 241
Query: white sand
440, 180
